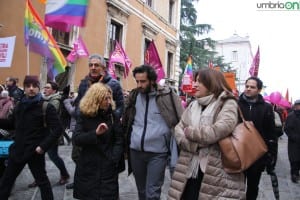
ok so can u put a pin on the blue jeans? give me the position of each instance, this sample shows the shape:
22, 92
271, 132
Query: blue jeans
59, 163
149, 173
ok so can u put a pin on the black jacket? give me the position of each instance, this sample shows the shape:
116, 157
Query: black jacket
96, 174
113, 84
261, 113
28, 122
292, 129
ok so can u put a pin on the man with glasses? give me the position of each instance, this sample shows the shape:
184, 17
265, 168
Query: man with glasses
98, 73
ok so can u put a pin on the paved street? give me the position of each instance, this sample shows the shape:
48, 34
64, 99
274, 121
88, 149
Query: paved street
288, 190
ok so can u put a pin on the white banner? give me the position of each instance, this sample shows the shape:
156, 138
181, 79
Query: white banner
7, 46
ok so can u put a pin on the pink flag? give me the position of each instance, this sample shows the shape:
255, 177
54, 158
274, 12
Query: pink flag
210, 64
119, 56
79, 50
253, 71
152, 58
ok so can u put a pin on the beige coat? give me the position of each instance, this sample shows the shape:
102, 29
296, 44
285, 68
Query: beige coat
216, 183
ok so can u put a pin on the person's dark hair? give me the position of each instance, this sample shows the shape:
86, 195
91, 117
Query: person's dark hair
13, 80
259, 83
151, 74
54, 85
213, 80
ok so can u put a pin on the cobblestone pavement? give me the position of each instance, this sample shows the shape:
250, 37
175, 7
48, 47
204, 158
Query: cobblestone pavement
288, 190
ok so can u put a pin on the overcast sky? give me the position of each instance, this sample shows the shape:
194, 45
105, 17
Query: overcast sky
274, 30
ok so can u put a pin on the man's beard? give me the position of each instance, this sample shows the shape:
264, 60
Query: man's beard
145, 90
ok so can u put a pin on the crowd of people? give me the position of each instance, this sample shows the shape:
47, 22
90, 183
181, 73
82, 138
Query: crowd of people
150, 125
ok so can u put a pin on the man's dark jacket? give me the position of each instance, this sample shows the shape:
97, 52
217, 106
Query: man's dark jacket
112, 83
30, 132
261, 114
292, 129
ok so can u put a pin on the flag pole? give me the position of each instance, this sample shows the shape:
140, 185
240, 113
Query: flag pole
27, 52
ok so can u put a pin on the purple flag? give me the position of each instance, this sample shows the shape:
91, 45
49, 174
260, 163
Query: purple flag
119, 56
253, 71
79, 50
152, 59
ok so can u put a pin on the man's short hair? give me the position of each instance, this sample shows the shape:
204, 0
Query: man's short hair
151, 74
13, 80
54, 85
259, 83
99, 57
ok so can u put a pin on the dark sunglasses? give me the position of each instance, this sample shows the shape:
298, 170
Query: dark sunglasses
95, 64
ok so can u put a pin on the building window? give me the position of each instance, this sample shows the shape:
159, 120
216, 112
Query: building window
115, 34
149, 3
146, 45
119, 71
61, 37
171, 11
234, 56
169, 64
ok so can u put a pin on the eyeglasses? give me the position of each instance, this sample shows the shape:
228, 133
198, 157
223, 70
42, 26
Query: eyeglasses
95, 64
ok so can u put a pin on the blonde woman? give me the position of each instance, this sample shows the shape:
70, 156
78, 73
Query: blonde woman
99, 134
199, 172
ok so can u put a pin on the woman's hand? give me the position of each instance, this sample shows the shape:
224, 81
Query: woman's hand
101, 129
187, 131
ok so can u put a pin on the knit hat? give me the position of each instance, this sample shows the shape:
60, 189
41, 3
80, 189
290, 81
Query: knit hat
34, 80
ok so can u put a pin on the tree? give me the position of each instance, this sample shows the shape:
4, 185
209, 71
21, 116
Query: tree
190, 45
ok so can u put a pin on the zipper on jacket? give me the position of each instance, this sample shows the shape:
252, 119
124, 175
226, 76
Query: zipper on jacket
145, 123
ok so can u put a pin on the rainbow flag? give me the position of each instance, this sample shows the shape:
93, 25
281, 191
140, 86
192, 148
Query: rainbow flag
187, 78
41, 41
189, 68
61, 14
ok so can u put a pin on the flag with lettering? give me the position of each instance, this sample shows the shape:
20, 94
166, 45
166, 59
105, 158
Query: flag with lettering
119, 56
152, 59
40, 41
79, 50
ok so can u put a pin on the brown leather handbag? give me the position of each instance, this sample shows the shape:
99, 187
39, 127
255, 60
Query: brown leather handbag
242, 148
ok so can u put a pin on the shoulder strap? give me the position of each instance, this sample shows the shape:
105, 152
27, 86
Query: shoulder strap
174, 107
44, 108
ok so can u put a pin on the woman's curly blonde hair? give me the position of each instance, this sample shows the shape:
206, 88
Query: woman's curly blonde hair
93, 98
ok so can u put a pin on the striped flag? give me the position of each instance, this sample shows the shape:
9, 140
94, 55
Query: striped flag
41, 41
61, 14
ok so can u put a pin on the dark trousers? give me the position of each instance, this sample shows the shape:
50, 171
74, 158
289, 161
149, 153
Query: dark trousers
149, 173
59, 163
2, 166
192, 187
295, 167
253, 175
37, 167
